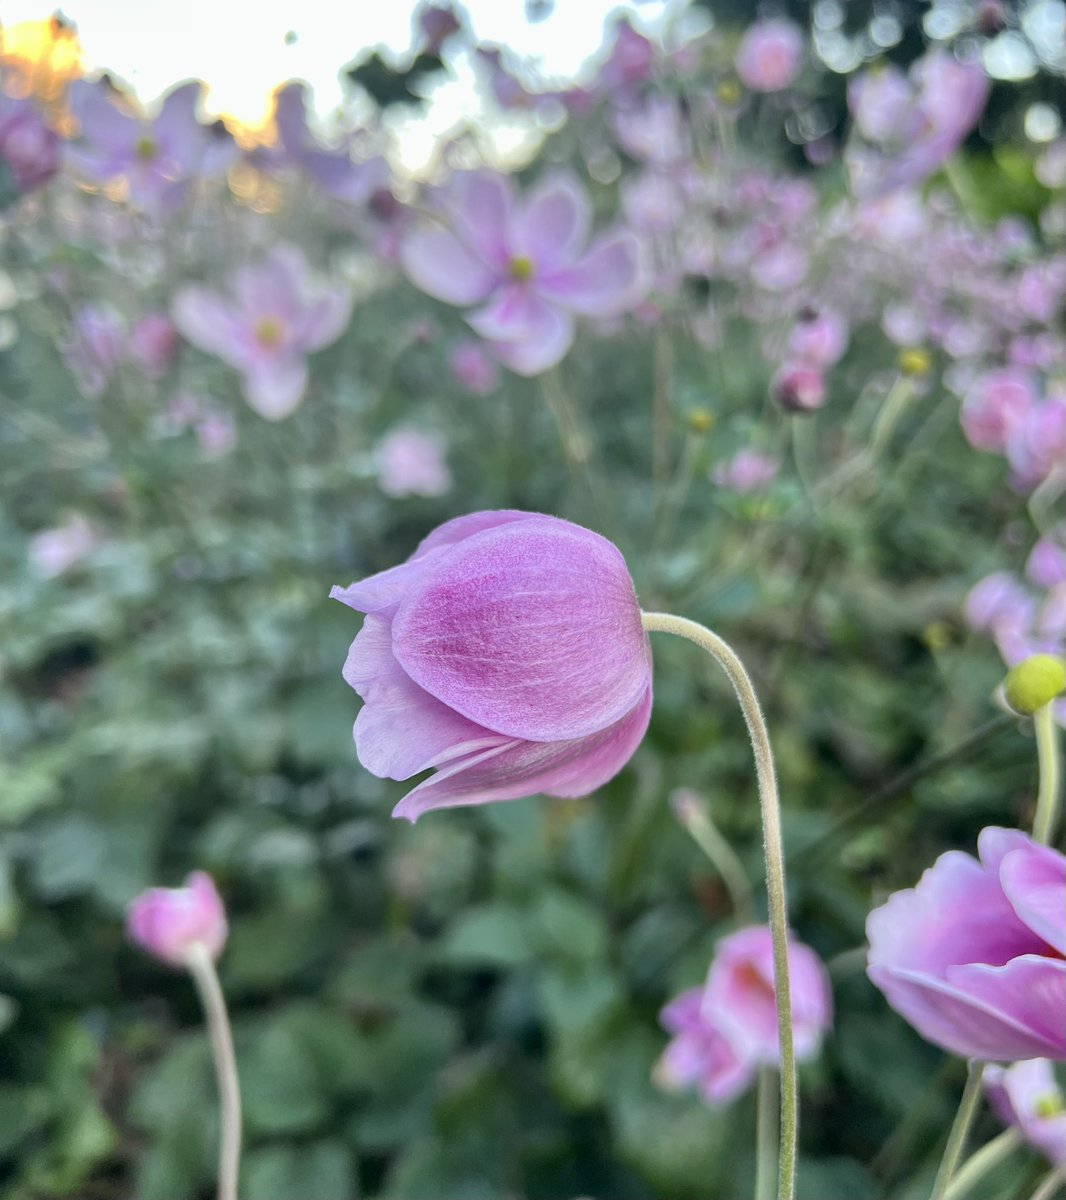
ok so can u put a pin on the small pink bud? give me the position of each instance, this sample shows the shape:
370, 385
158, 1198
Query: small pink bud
170, 922
799, 388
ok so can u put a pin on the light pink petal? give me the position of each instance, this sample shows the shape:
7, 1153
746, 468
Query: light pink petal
480, 211
442, 267
605, 282
102, 124
1030, 989
454, 531
275, 390
274, 287
552, 226
531, 629
995, 842
176, 128
1034, 880
684, 1012
966, 1021
323, 321
569, 768
207, 320
401, 729
526, 333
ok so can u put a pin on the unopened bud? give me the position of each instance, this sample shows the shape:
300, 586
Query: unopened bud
1034, 683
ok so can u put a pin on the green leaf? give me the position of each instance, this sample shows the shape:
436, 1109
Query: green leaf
319, 1171
490, 935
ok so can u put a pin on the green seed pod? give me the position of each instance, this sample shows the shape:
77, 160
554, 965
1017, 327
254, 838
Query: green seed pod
1035, 682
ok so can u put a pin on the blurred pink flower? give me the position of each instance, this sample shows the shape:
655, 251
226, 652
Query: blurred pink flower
974, 956
880, 100
1046, 564
726, 1030
54, 551
171, 922
435, 23
819, 337
157, 159
29, 148
746, 471
1028, 1096
770, 55
653, 131
1036, 444
630, 59
153, 342
273, 319
95, 348
799, 387
473, 369
995, 406
411, 462
526, 263
508, 653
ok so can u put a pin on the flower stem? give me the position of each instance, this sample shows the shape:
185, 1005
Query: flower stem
202, 969
695, 818
1049, 756
978, 1165
775, 871
1051, 1185
960, 1131
766, 1135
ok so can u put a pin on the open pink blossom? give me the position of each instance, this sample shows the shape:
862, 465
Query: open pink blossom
411, 463
995, 406
171, 922
508, 653
29, 147
1028, 1096
526, 263
54, 551
727, 1029
972, 956
473, 369
770, 55
747, 471
274, 318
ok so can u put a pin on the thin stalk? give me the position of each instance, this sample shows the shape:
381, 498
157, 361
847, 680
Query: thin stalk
695, 818
766, 1135
727, 659
1051, 1185
1049, 756
202, 969
960, 1131
978, 1165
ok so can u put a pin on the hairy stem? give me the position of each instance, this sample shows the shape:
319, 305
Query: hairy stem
725, 656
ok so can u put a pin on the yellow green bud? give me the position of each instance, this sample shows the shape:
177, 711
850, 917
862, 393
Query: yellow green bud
1034, 683
700, 420
915, 361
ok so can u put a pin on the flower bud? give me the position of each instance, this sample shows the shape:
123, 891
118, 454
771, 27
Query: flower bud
171, 922
1034, 683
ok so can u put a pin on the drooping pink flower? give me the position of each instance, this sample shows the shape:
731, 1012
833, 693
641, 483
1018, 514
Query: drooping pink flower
29, 148
473, 369
819, 338
525, 262
770, 55
54, 551
158, 158
973, 956
995, 406
507, 653
1028, 1096
799, 387
747, 471
726, 1030
275, 317
171, 922
411, 463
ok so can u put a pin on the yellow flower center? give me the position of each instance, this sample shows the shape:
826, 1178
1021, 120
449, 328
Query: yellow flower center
268, 331
521, 268
146, 148
1050, 1105
915, 361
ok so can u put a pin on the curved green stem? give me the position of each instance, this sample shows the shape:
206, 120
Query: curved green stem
978, 1165
202, 969
1049, 756
725, 656
960, 1131
695, 818
766, 1135
1051, 1185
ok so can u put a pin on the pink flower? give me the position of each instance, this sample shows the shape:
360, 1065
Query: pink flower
54, 551
973, 956
525, 262
411, 463
746, 471
1046, 564
507, 653
473, 369
1028, 1096
727, 1029
95, 348
275, 318
630, 61
770, 55
799, 388
880, 101
1036, 445
819, 338
999, 602
153, 342
995, 406
29, 149
171, 922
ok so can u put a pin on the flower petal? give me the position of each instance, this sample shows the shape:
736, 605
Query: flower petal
401, 729
460, 528
206, 320
176, 128
1034, 880
553, 224
605, 282
569, 768
527, 334
323, 321
531, 629
275, 389
480, 208
438, 263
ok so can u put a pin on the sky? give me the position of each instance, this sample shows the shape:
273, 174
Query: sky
243, 48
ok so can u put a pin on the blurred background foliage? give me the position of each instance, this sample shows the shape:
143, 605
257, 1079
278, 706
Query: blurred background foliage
465, 1008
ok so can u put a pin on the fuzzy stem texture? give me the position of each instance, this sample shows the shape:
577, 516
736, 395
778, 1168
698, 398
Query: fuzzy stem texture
726, 657
202, 969
1050, 759
960, 1131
